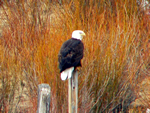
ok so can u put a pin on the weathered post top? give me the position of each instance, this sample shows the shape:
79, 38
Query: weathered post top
43, 98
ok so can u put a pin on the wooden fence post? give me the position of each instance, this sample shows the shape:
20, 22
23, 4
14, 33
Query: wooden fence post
43, 98
73, 93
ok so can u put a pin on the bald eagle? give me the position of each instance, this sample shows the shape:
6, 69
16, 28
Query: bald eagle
70, 54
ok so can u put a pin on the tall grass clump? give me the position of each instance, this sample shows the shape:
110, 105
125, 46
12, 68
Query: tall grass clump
116, 56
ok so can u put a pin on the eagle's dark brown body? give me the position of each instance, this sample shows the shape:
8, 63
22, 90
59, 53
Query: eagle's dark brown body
70, 54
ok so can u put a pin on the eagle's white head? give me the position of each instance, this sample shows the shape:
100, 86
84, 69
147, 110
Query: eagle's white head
78, 34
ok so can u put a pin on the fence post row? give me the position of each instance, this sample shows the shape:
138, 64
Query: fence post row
44, 95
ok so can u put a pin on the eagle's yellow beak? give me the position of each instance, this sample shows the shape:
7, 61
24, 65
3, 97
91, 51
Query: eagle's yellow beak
83, 34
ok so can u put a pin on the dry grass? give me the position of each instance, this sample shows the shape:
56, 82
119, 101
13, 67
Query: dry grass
116, 56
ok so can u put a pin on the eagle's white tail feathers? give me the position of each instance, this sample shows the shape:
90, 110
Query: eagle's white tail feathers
67, 73
63, 76
70, 72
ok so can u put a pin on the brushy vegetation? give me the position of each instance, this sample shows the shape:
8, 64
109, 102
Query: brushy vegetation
116, 55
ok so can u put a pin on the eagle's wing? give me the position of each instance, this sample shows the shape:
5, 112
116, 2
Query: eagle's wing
70, 54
